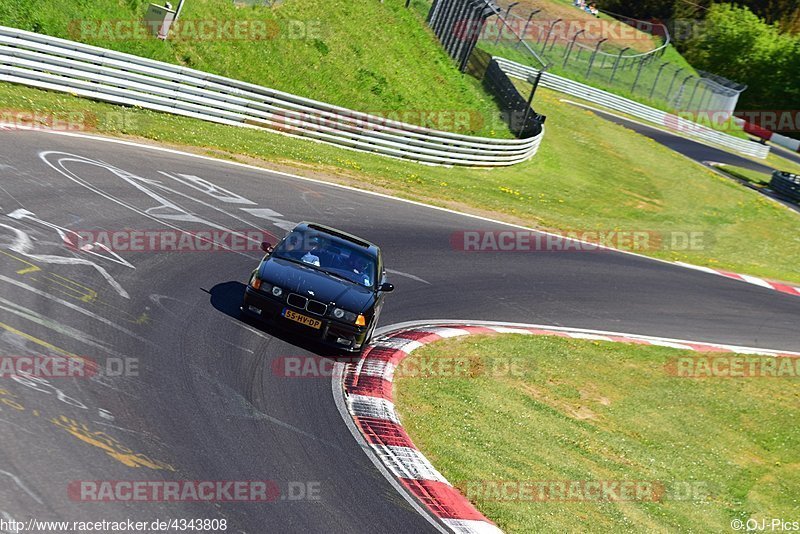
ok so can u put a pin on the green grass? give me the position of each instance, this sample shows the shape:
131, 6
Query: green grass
577, 410
369, 56
589, 174
758, 179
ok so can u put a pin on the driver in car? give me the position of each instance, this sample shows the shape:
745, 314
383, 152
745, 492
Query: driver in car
362, 269
315, 250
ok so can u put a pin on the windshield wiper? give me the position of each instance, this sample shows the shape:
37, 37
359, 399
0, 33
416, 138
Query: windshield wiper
337, 275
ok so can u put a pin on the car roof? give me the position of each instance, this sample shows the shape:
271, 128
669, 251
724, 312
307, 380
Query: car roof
368, 247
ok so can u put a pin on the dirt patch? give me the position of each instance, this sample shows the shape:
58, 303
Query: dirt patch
619, 35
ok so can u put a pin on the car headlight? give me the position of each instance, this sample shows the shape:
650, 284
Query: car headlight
344, 315
277, 291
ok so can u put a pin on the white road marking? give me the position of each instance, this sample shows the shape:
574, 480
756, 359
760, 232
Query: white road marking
18, 481
170, 211
20, 214
24, 244
212, 190
69, 331
272, 216
72, 306
407, 275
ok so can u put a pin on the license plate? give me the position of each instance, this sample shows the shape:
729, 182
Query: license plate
302, 319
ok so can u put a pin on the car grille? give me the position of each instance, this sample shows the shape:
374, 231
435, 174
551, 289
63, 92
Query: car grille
314, 306
296, 300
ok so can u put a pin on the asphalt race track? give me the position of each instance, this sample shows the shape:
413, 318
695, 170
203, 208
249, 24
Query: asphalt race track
695, 150
204, 402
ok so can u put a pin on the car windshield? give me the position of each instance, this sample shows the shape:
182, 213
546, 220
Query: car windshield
334, 256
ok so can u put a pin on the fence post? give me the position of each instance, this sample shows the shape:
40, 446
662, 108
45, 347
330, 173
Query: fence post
525, 29
691, 98
482, 14
569, 48
503, 21
658, 75
463, 36
680, 89
452, 41
549, 32
528, 108
594, 54
638, 73
616, 63
672, 82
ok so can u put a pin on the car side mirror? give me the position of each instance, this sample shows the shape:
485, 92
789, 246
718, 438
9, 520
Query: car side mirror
266, 247
386, 286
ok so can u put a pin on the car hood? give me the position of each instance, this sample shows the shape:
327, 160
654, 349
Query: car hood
297, 278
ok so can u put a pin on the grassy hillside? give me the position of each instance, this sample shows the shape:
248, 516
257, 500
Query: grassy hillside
368, 56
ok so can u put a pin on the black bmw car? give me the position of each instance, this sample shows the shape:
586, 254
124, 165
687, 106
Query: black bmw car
325, 282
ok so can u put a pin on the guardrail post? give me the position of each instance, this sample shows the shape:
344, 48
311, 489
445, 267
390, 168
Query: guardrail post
568, 51
594, 54
549, 32
616, 63
658, 75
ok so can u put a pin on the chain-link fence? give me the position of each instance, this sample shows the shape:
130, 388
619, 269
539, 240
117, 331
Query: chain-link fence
627, 56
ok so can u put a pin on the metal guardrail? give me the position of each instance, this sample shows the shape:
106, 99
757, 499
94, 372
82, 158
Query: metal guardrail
60, 65
656, 116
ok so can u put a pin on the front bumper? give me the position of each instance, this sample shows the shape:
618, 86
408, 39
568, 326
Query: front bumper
332, 333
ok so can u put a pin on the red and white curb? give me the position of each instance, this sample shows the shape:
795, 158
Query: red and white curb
367, 386
769, 284
768, 135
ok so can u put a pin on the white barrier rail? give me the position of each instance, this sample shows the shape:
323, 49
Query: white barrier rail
672, 122
60, 65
